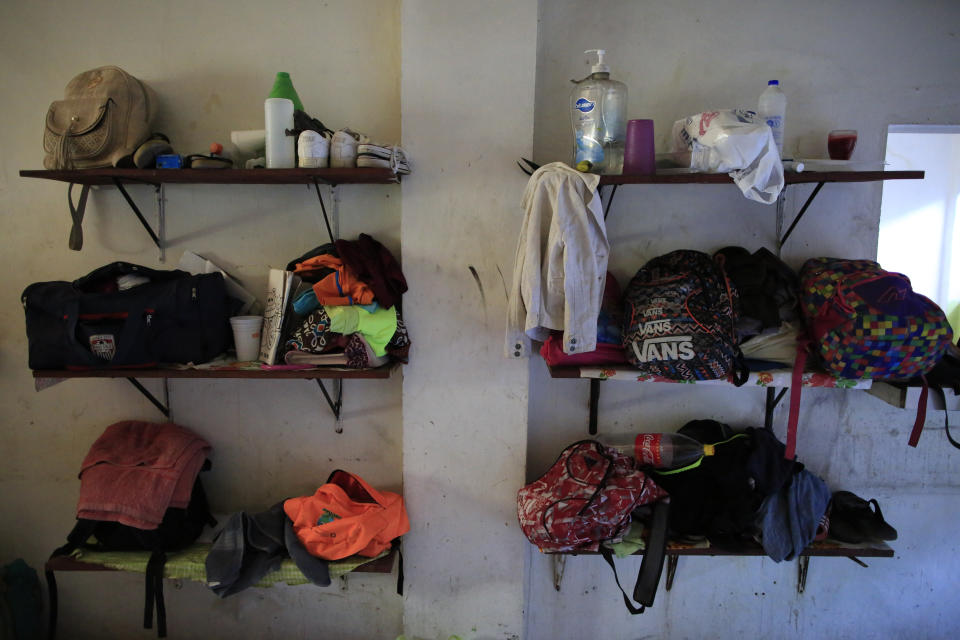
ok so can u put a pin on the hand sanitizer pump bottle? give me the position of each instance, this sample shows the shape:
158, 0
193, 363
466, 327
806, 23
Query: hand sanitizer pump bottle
598, 109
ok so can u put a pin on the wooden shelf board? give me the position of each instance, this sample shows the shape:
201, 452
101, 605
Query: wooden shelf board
249, 374
65, 563
904, 396
778, 378
790, 177
364, 175
823, 548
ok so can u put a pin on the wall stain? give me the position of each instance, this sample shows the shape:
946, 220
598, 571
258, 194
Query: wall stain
476, 277
483, 296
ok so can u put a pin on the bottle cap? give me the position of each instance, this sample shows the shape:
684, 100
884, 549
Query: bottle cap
771, 83
708, 450
601, 66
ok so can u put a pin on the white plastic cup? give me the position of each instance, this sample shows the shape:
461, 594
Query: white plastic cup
281, 149
246, 336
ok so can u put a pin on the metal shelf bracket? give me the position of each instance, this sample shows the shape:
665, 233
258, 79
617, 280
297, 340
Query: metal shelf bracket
803, 210
335, 406
157, 237
164, 406
333, 232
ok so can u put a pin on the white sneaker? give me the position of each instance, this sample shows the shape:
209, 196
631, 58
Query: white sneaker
343, 148
377, 155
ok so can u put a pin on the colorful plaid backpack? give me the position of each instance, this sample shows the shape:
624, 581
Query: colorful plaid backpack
586, 497
865, 322
680, 314
869, 323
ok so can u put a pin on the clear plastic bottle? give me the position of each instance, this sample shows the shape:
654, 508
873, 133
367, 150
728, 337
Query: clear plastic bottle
598, 108
658, 450
772, 109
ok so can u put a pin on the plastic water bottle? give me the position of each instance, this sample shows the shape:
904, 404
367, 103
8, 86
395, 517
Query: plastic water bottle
598, 108
772, 109
658, 450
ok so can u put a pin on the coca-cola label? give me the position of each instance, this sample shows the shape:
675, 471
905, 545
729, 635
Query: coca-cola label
647, 450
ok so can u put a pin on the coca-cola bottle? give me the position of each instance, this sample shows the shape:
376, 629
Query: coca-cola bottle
658, 450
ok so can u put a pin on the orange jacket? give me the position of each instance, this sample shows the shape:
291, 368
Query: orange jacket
342, 287
346, 516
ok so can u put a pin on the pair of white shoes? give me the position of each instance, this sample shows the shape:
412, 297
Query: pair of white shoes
351, 149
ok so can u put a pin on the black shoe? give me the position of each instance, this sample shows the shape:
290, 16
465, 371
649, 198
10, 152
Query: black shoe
852, 520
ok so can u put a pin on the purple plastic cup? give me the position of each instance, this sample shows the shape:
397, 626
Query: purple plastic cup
638, 151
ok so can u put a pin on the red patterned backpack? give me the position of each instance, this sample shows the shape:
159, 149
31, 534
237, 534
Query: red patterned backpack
586, 497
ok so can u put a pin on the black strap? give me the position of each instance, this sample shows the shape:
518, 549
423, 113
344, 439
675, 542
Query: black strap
399, 571
154, 594
946, 415
608, 556
649, 577
741, 372
81, 531
52, 605
76, 213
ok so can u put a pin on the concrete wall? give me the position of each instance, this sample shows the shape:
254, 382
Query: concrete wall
457, 447
212, 64
467, 102
858, 65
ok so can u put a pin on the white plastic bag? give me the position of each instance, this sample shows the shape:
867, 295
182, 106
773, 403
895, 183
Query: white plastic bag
733, 141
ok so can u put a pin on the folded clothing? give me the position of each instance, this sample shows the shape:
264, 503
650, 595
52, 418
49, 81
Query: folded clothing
251, 546
377, 327
136, 470
337, 283
374, 264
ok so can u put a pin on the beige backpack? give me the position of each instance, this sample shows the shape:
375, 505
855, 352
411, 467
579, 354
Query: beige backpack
105, 115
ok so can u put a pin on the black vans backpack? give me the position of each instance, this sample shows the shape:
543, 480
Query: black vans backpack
179, 529
680, 312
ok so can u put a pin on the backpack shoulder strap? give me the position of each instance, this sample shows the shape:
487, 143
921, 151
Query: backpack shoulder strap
81, 531
651, 567
154, 593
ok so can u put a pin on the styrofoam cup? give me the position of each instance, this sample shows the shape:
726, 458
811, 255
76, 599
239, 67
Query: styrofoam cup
246, 336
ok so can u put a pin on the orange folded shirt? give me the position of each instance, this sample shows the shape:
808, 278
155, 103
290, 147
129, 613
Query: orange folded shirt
340, 288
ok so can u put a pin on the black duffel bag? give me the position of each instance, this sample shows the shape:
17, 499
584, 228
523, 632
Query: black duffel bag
174, 317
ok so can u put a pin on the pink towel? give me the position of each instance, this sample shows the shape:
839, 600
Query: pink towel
136, 470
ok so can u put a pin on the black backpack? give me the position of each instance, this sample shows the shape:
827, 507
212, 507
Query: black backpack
179, 528
768, 289
680, 313
720, 497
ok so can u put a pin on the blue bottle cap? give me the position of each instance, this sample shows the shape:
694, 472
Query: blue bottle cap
773, 82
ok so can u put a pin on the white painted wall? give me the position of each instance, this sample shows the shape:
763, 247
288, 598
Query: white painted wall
212, 64
467, 102
860, 65
458, 445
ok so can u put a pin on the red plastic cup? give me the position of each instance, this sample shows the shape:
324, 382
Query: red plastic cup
638, 149
840, 143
